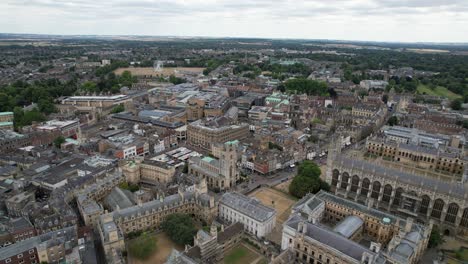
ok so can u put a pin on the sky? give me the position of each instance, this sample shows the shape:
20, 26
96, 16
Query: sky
370, 20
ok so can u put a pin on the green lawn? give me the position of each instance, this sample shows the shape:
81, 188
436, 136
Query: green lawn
438, 91
240, 255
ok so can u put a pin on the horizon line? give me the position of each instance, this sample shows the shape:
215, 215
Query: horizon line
237, 37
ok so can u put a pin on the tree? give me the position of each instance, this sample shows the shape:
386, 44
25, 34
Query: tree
26, 118
176, 80
332, 93
180, 228
307, 180
117, 109
385, 98
143, 246
89, 87
393, 121
59, 141
185, 169
126, 79
456, 104
435, 238
46, 106
310, 87
129, 186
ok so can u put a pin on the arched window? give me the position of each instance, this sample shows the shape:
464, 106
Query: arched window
375, 189
344, 180
437, 209
464, 220
424, 204
335, 177
387, 193
354, 183
452, 212
397, 200
365, 186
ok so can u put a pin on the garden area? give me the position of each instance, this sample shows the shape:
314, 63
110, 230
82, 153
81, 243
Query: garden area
142, 246
242, 254
162, 250
457, 256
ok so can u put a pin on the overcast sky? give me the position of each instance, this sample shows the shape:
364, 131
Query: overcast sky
377, 20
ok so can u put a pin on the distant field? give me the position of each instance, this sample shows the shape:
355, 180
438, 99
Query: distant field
438, 91
428, 50
149, 71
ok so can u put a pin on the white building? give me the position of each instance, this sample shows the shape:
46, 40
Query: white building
159, 147
373, 84
257, 218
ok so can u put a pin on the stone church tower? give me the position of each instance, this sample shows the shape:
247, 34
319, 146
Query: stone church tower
228, 162
334, 149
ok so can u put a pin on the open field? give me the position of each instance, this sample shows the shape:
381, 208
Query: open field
428, 50
164, 246
242, 254
438, 91
149, 71
282, 202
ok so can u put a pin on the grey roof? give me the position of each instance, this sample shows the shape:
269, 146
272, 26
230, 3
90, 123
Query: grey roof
169, 201
330, 238
349, 226
203, 235
118, 197
19, 247
67, 233
20, 223
248, 206
402, 252
413, 236
454, 189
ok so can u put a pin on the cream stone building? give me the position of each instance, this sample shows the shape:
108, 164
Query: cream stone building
203, 135
324, 228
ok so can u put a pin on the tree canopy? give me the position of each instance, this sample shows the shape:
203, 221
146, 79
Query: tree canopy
435, 238
59, 141
180, 228
307, 180
143, 246
118, 108
456, 104
310, 87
